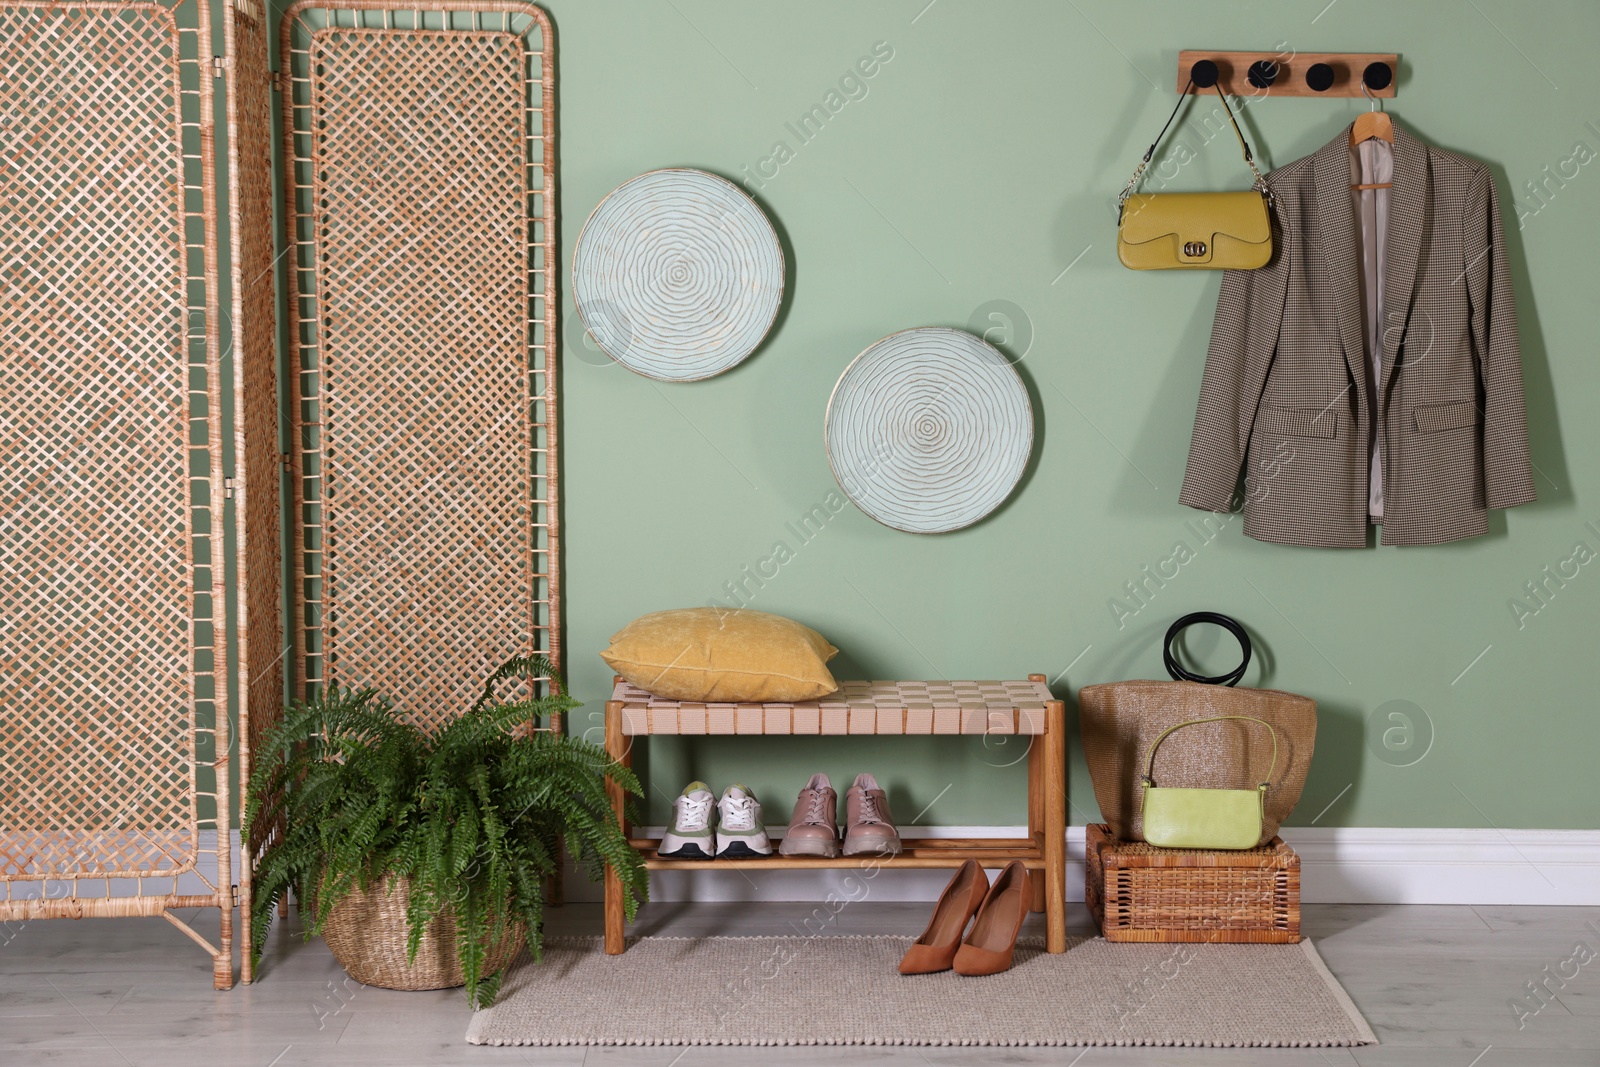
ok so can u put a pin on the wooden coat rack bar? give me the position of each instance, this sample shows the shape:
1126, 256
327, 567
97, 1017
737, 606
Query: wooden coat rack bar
1295, 74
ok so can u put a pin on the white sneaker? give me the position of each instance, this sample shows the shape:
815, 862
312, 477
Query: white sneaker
740, 833
691, 837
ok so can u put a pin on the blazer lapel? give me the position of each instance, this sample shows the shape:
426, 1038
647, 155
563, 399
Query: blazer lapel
1341, 255
1408, 208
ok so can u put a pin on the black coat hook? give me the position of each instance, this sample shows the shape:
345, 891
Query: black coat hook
1319, 77
1262, 73
1205, 74
1377, 76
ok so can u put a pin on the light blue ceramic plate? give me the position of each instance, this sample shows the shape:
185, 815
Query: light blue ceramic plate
929, 430
677, 275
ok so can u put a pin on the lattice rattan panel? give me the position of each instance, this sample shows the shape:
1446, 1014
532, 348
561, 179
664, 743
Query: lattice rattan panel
418, 151
108, 443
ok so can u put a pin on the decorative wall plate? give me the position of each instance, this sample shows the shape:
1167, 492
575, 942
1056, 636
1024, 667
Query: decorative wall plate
677, 275
929, 430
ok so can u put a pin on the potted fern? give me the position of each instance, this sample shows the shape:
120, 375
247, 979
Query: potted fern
422, 858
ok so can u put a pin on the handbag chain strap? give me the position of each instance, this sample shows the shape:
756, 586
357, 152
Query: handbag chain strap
1150, 762
1259, 185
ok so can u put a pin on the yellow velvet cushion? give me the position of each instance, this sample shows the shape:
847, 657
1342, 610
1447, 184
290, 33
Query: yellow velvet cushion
725, 656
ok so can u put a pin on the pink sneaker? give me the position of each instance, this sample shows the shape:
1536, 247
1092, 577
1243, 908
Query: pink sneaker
869, 828
811, 830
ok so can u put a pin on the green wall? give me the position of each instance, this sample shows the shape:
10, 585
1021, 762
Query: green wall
980, 166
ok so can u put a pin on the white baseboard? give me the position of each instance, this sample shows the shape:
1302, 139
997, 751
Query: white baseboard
1406, 865
1339, 865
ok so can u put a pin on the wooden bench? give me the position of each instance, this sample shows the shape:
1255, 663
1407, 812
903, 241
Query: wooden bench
955, 708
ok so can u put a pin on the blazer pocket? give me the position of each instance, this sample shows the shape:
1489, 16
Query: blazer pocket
1437, 417
1301, 422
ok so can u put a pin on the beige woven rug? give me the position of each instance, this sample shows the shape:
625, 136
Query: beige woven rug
844, 991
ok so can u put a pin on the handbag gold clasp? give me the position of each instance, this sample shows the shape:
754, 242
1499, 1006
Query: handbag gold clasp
1194, 249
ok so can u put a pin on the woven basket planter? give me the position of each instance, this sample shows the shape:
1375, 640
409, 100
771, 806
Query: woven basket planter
367, 932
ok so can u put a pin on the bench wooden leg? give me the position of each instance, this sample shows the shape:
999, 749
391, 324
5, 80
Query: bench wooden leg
616, 747
1036, 794
615, 926
1055, 828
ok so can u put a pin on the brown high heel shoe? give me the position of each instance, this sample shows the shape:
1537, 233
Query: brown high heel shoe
989, 947
937, 946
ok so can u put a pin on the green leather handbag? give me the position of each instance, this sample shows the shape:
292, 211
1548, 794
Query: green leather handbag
1205, 818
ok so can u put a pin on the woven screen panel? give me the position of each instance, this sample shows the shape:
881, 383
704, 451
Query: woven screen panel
256, 446
421, 455
255, 349
99, 640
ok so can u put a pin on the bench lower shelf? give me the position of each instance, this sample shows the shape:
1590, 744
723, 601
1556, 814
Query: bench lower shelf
916, 853
950, 858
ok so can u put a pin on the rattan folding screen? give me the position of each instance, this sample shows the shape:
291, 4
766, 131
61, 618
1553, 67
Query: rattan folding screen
418, 166
114, 742
420, 318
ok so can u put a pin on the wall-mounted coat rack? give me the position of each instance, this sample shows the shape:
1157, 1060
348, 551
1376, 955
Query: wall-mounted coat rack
1292, 74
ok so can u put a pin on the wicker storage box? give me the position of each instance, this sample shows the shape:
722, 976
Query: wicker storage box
1138, 892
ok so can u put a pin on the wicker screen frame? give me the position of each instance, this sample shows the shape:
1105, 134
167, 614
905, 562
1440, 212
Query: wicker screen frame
336, 591
112, 367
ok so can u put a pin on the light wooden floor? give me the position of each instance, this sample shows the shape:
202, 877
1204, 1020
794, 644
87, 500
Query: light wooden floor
1434, 982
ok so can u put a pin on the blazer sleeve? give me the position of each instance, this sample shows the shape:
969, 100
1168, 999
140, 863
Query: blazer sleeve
1507, 468
1244, 340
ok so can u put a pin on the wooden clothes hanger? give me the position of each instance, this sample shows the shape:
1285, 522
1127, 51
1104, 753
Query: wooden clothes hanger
1372, 125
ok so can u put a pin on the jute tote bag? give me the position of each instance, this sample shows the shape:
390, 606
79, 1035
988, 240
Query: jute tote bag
1119, 722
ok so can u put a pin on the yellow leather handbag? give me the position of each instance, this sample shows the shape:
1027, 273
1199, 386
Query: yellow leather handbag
1195, 231
1205, 818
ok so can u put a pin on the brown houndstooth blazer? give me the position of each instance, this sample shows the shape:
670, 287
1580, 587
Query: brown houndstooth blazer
1285, 402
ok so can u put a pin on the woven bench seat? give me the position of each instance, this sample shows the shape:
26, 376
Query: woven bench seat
859, 707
